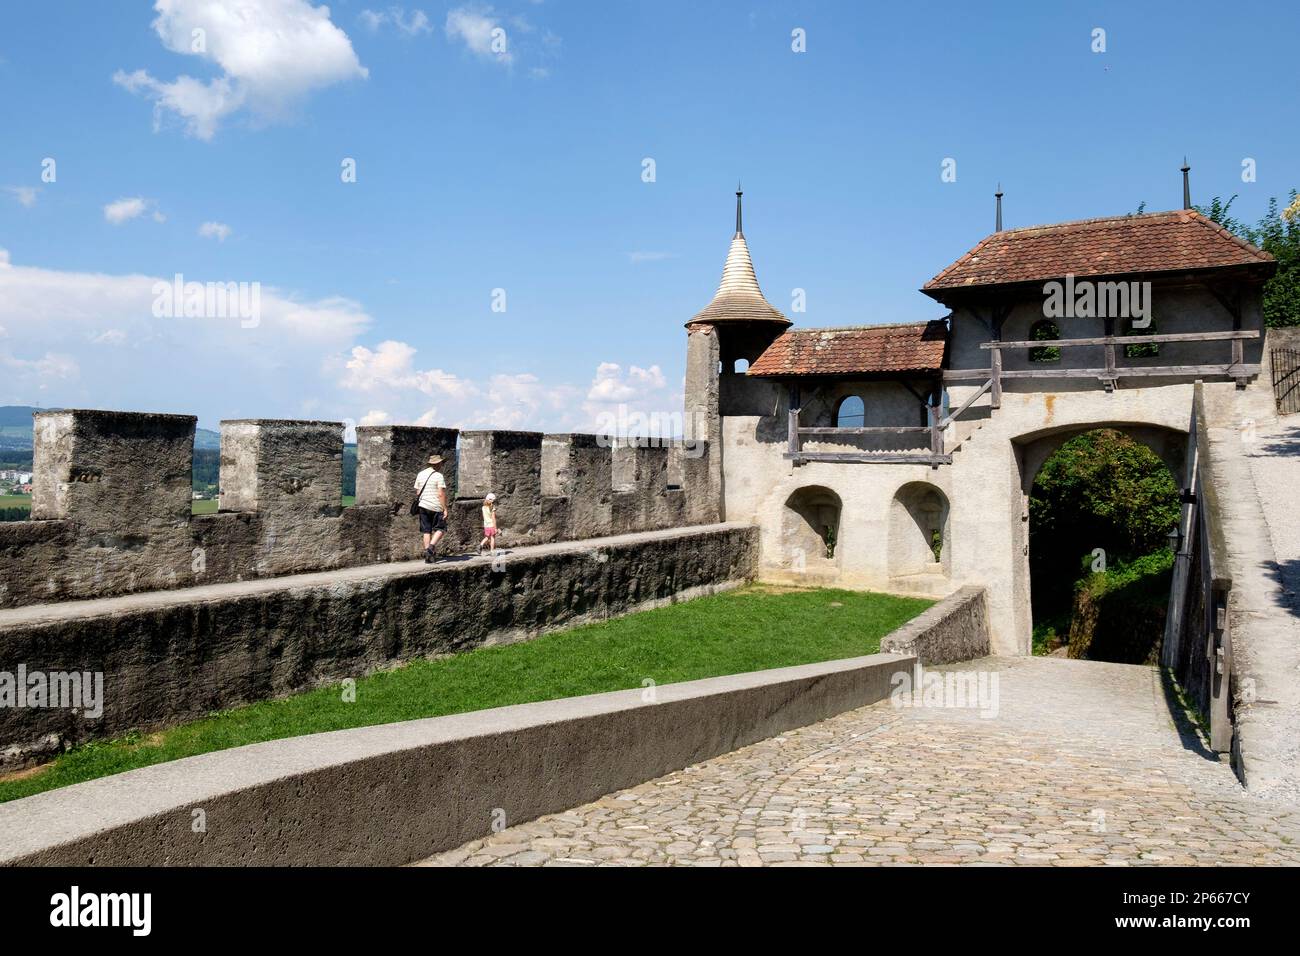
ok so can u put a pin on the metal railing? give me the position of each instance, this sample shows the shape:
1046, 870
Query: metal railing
1286, 379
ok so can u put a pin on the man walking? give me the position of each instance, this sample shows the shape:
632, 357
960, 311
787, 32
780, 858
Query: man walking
433, 506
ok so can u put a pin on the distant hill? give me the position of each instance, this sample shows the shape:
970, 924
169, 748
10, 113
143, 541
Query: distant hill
16, 429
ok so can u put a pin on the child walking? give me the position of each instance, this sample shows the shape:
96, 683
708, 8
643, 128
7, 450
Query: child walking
489, 524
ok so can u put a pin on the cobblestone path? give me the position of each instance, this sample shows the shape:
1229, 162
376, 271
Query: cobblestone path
1081, 766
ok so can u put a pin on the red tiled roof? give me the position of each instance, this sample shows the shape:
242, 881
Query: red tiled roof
1180, 240
916, 347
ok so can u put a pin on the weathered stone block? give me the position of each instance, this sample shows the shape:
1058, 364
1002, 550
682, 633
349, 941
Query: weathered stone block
509, 464
290, 473
580, 468
124, 480
640, 477
275, 466
390, 456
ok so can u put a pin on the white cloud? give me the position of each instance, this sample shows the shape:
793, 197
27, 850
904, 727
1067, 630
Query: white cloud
412, 24
638, 257
390, 366
477, 28
214, 230
612, 385
124, 210
271, 53
59, 322
303, 358
26, 195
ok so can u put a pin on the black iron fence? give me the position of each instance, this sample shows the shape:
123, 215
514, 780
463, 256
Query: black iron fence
1286, 379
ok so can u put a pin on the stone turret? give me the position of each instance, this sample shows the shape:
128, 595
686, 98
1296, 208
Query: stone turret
738, 324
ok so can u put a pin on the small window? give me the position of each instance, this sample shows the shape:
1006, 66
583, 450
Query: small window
741, 366
1044, 331
1142, 349
852, 413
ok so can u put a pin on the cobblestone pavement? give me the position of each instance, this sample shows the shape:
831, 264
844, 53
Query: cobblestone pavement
1081, 766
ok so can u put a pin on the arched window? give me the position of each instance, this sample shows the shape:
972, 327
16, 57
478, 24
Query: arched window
1142, 349
1044, 330
741, 366
851, 413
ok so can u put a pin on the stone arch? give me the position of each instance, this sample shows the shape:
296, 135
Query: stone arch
919, 522
1034, 448
810, 527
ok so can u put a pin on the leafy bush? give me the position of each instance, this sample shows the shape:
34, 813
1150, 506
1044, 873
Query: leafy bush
1119, 613
1101, 490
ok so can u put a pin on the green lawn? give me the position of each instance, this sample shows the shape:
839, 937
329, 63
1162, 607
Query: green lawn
750, 629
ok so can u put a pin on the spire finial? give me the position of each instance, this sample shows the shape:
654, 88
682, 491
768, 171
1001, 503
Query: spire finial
998, 195
1187, 187
739, 193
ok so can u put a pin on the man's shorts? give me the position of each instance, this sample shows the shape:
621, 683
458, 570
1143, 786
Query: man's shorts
431, 521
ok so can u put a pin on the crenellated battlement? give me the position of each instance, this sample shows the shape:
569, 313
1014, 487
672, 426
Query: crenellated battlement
111, 502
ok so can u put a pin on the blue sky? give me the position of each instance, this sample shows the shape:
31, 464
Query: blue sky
522, 171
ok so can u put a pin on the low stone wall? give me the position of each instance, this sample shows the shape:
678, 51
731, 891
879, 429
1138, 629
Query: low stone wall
168, 656
396, 793
955, 629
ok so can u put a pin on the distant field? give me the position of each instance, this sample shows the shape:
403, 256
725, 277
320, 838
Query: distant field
15, 501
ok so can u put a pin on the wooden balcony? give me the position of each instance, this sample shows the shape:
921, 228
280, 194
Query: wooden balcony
992, 378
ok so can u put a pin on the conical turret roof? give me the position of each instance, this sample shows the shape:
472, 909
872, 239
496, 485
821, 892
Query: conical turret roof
739, 299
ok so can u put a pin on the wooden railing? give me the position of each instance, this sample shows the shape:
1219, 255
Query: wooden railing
1112, 372
992, 379
1197, 645
934, 457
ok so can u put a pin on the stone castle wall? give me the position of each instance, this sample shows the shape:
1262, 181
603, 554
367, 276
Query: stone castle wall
112, 497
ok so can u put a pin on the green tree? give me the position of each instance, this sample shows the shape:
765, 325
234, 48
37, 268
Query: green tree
1277, 233
1101, 490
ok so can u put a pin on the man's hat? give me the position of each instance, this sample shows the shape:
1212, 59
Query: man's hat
435, 459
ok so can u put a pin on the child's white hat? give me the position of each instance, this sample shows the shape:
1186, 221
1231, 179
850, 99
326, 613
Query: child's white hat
491, 496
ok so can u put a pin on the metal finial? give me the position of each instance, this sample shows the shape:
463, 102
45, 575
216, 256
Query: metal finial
998, 194
738, 195
1187, 187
